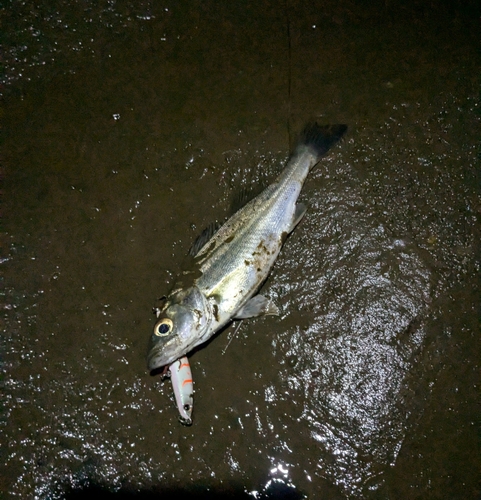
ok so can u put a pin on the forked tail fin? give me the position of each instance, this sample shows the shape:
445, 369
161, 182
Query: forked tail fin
321, 137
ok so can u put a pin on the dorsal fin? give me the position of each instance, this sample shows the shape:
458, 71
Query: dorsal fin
203, 238
243, 196
252, 184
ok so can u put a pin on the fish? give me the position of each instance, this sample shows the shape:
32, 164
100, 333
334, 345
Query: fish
230, 264
183, 386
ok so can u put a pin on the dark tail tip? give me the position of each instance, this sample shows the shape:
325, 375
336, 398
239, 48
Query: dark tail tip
321, 137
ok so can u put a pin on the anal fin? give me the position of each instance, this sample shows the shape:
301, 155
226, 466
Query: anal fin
298, 215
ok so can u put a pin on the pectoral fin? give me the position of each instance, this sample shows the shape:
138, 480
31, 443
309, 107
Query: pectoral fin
257, 306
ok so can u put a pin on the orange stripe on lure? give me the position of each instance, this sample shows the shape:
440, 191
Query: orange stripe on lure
183, 385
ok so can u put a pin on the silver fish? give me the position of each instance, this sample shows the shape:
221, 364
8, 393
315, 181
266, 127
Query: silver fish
231, 266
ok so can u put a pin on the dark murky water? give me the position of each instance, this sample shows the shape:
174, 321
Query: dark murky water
128, 128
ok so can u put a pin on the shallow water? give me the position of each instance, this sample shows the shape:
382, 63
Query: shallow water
128, 129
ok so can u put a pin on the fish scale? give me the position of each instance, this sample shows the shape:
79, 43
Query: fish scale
247, 249
230, 268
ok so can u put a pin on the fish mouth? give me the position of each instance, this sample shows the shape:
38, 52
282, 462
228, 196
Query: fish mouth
154, 364
158, 359
163, 371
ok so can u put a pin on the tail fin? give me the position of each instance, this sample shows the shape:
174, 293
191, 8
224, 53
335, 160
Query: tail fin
321, 138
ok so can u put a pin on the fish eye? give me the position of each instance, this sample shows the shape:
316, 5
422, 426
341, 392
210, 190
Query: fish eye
163, 327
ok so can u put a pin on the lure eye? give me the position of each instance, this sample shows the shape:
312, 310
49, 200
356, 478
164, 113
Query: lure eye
163, 327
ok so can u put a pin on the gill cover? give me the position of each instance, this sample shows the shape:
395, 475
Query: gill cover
184, 318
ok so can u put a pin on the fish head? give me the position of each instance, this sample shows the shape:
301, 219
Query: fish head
181, 323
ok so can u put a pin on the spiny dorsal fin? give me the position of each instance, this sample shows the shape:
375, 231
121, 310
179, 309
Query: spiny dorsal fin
203, 238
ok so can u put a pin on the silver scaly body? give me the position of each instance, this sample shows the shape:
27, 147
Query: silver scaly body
232, 265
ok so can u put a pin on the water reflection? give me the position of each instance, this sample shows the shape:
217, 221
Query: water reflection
349, 361
278, 485
367, 381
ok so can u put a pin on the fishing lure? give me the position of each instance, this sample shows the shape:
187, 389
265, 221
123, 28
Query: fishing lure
183, 385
